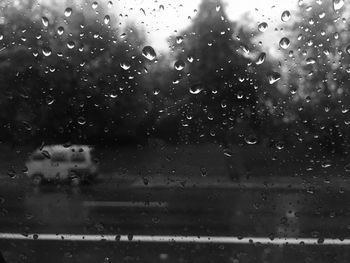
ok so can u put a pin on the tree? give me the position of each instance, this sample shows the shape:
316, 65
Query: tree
318, 75
215, 78
70, 76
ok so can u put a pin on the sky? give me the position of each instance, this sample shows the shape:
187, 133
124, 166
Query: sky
164, 18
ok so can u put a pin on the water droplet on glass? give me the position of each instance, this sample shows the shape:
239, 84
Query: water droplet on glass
322, 15
11, 173
94, 5
204, 171
106, 19
338, 4
50, 100
179, 39
46, 51
149, 53
110, 4
347, 167
310, 61
179, 65
285, 16
195, 89
262, 27
81, 120
261, 58
70, 44
143, 11
60, 30
284, 43
245, 49
190, 59
279, 145
251, 139
217, 8
156, 91
125, 65
273, 77
45, 21
348, 49
67, 12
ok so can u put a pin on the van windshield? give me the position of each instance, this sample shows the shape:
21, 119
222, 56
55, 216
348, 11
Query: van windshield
59, 157
78, 158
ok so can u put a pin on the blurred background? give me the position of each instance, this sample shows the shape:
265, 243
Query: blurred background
178, 98
272, 75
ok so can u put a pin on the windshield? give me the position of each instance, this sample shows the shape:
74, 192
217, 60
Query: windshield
220, 131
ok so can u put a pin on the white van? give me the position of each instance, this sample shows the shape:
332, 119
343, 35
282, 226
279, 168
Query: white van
58, 162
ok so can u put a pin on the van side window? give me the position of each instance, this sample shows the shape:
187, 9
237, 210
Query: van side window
37, 156
59, 157
78, 158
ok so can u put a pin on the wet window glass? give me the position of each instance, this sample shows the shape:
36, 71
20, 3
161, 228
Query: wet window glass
174, 131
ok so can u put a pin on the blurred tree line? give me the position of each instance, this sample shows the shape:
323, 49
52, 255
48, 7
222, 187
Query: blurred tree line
77, 75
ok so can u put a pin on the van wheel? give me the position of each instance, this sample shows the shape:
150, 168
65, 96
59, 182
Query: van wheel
37, 179
75, 181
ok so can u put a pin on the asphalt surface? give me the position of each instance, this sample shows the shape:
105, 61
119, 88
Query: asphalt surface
115, 207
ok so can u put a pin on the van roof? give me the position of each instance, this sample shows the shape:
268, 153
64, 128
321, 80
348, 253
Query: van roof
63, 148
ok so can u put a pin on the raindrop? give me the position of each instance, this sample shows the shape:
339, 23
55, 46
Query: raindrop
262, 27
348, 49
81, 120
347, 167
149, 53
338, 4
94, 5
326, 164
45, 21
190, 59
245, 49
285, 16
217, 8
60, 30
261, 58
204, 171
68, 12
143, 11
322, 15
156, 91
161, 8
47, 51
310, 61
279, 145
274, 77
179, 39
106, 19
284, 43
125, 65
50, 100
11, 173
70, 44
195, 89
251, 139
179, 65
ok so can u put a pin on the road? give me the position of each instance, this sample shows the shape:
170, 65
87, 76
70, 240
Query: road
128, 214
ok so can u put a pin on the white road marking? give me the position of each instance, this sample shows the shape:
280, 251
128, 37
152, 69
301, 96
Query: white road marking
177, 239
125, 204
